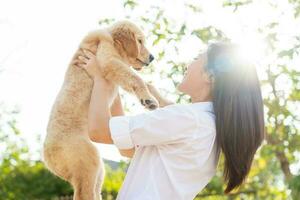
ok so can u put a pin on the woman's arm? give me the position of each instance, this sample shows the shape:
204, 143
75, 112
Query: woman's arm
100, 114
99, 110
127, 152
102, 95
117, 110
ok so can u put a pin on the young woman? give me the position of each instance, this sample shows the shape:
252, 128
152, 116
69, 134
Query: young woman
176, 148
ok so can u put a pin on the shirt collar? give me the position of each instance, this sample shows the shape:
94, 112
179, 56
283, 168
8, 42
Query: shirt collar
204, 106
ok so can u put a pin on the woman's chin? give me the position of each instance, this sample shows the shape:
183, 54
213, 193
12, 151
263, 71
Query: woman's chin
183, 89
180, 88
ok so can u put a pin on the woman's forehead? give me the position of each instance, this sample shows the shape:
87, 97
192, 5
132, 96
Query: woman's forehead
202, 56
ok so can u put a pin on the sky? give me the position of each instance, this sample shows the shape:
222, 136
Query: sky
38, 39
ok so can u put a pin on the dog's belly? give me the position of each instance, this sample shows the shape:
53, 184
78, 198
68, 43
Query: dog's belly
67, 146
69, 113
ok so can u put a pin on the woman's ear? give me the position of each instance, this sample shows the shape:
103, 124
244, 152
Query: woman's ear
126, 40
208, 78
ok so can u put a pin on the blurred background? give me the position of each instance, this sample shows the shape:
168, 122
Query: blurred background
38, 39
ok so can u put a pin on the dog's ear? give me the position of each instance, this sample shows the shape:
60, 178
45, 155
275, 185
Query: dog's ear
126, 39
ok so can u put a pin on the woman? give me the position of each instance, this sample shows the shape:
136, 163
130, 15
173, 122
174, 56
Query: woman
176, 148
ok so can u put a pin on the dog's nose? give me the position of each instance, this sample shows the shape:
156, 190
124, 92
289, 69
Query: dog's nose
151, 58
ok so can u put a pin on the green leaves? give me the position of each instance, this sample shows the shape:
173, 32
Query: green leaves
296, 4
130, 3
295, 185
209, 33
236, 4
113, 181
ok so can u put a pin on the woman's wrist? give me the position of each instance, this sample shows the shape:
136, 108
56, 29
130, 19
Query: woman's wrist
98, 79
102, 85
107, 90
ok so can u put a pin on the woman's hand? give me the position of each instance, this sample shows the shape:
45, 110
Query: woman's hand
88, 62
127, 152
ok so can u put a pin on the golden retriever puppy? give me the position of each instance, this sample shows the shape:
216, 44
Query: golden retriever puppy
68, 151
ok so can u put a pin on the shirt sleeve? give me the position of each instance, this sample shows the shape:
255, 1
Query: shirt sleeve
171, 124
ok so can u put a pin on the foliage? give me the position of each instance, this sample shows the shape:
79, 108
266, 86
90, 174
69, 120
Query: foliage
30, 181
20, 177
24, 179
113, 181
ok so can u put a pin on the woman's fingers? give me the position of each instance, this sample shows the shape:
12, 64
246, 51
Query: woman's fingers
88, 54
75, 61
83, 59
79, 63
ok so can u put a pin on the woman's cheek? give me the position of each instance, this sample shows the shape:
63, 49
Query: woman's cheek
180, 86
183, 86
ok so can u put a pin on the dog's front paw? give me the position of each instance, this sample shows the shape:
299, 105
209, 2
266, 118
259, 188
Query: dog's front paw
150, 104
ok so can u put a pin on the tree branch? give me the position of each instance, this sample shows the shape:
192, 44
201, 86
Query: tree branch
284, 162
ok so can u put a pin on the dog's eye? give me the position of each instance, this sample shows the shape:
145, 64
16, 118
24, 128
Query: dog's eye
140, 41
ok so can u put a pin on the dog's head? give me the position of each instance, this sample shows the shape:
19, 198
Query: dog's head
130, 42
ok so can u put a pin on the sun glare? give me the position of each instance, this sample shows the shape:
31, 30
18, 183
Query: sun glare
252, 49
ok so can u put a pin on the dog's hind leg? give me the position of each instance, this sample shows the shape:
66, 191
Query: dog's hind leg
99, 182
85, 170
84, 187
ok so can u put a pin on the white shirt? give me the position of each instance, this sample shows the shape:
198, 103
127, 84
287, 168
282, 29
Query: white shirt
175, 151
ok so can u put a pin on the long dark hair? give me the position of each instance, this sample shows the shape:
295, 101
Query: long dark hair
238, 107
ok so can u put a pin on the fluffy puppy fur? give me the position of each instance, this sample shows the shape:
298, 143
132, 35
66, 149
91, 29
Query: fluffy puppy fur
68, 151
